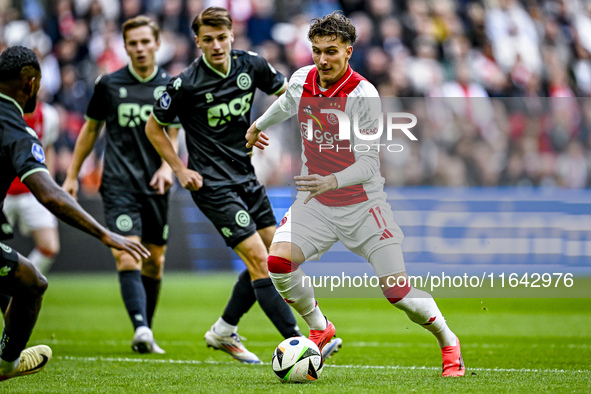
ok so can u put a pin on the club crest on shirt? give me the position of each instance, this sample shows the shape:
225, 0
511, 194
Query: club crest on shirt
332, 119
37, 152
243, 81
165, 100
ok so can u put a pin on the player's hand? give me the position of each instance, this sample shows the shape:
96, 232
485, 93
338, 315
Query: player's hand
190, 180
71, 186
134, 248
255, 137
162, 179
315, 184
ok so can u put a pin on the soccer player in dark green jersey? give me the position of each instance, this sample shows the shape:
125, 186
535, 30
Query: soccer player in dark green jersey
22, 155
135, 180
212, 99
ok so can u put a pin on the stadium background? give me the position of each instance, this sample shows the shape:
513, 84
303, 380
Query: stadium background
524, 64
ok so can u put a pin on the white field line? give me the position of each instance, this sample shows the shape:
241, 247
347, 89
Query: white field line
198, 343
382, 367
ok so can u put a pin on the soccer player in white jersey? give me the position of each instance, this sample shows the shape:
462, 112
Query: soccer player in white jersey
340, 191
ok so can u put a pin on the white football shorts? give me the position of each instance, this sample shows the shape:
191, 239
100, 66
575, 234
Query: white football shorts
363, 228
30, 215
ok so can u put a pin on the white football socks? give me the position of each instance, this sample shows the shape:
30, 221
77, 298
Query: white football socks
223, 328
420, 307
40, 261
300, 297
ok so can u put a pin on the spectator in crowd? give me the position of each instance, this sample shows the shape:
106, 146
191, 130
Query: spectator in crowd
511, 48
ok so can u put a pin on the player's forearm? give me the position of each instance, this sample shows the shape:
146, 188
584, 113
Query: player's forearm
62, 205
360, 171
84, 145
163, 145
276, 113
173, 133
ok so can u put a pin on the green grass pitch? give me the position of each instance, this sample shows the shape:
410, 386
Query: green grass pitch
509, 345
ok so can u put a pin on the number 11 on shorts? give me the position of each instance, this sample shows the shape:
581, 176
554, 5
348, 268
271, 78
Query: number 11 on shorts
375, 216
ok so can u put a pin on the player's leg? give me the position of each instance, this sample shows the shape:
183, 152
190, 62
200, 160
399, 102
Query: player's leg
254, 254
154, 210
259, 207
230, 210
37, 221
241, 300
131, 286
152, 270
123, 216
301, 235
47, 246
284, 263
419, 306
6, 232
224, 208
26, 285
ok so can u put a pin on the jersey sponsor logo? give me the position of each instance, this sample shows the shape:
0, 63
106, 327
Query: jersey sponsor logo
4, 271
221, 114
159, 91
132, 114
243, 81
226, 232
122, 92
242, 218
208, 97
124, 223
5, 248
37, 152
177, 84
165, 232
165, 100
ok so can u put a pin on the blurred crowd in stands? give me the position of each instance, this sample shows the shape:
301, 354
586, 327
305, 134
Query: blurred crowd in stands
500, 87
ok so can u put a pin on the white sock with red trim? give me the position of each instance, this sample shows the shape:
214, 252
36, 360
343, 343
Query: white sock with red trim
420, 307
288, 279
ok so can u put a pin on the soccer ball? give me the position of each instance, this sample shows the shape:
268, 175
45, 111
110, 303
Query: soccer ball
297, 359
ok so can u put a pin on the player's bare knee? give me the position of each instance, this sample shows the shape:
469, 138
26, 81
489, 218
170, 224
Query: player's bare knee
40, 285
126, 262
153, 266
31, 282
288, 251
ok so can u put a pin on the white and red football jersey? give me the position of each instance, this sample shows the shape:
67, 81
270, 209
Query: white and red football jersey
45, 121
354, 162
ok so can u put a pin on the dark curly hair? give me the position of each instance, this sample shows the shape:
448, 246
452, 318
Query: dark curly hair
335, 25
12, 61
